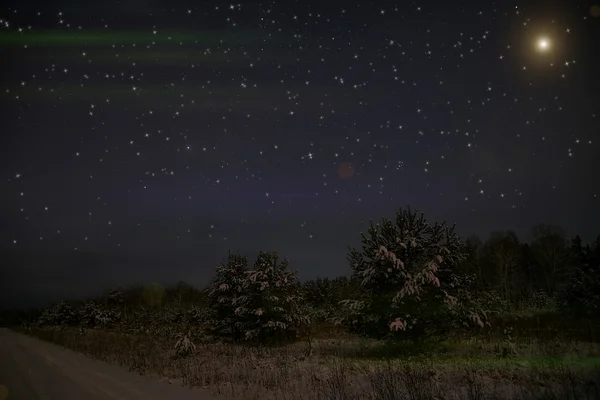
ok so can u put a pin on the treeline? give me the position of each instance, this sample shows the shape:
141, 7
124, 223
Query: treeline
410, 278
552, 263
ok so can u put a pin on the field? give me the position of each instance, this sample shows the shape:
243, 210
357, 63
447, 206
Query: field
530, 357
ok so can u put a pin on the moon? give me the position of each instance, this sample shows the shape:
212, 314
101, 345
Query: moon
543, 44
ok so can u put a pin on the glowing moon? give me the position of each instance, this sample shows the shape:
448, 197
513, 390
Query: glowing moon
543, 44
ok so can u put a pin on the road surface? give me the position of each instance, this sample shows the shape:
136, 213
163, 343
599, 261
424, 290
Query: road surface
31, 369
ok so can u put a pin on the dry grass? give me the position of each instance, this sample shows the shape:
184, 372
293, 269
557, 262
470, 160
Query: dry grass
350, 368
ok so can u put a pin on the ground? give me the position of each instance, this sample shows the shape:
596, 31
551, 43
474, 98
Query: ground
535, 364
34, 370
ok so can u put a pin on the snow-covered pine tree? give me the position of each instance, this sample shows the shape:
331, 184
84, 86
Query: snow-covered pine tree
408, 287
94, 315
318, 299
224, 293
61, 314
270, 309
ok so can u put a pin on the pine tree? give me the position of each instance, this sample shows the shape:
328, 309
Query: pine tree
224, 293
551, 253
582, 294
502, 255
271, 308
472, 264
61, 314
92, 315
407, 280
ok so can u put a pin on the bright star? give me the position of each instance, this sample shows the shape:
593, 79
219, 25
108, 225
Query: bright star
543, 44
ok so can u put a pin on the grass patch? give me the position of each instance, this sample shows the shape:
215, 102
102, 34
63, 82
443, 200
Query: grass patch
354, 368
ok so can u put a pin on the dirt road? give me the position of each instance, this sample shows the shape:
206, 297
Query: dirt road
34, 370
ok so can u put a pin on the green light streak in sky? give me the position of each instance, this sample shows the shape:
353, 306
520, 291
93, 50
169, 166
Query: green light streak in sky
106, 38
116, 57
219, 96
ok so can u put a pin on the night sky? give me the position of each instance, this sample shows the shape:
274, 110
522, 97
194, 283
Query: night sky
143, 139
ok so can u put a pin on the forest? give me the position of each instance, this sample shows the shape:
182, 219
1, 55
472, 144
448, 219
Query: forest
422, 314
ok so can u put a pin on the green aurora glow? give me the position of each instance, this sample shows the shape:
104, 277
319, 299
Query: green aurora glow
100, 38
